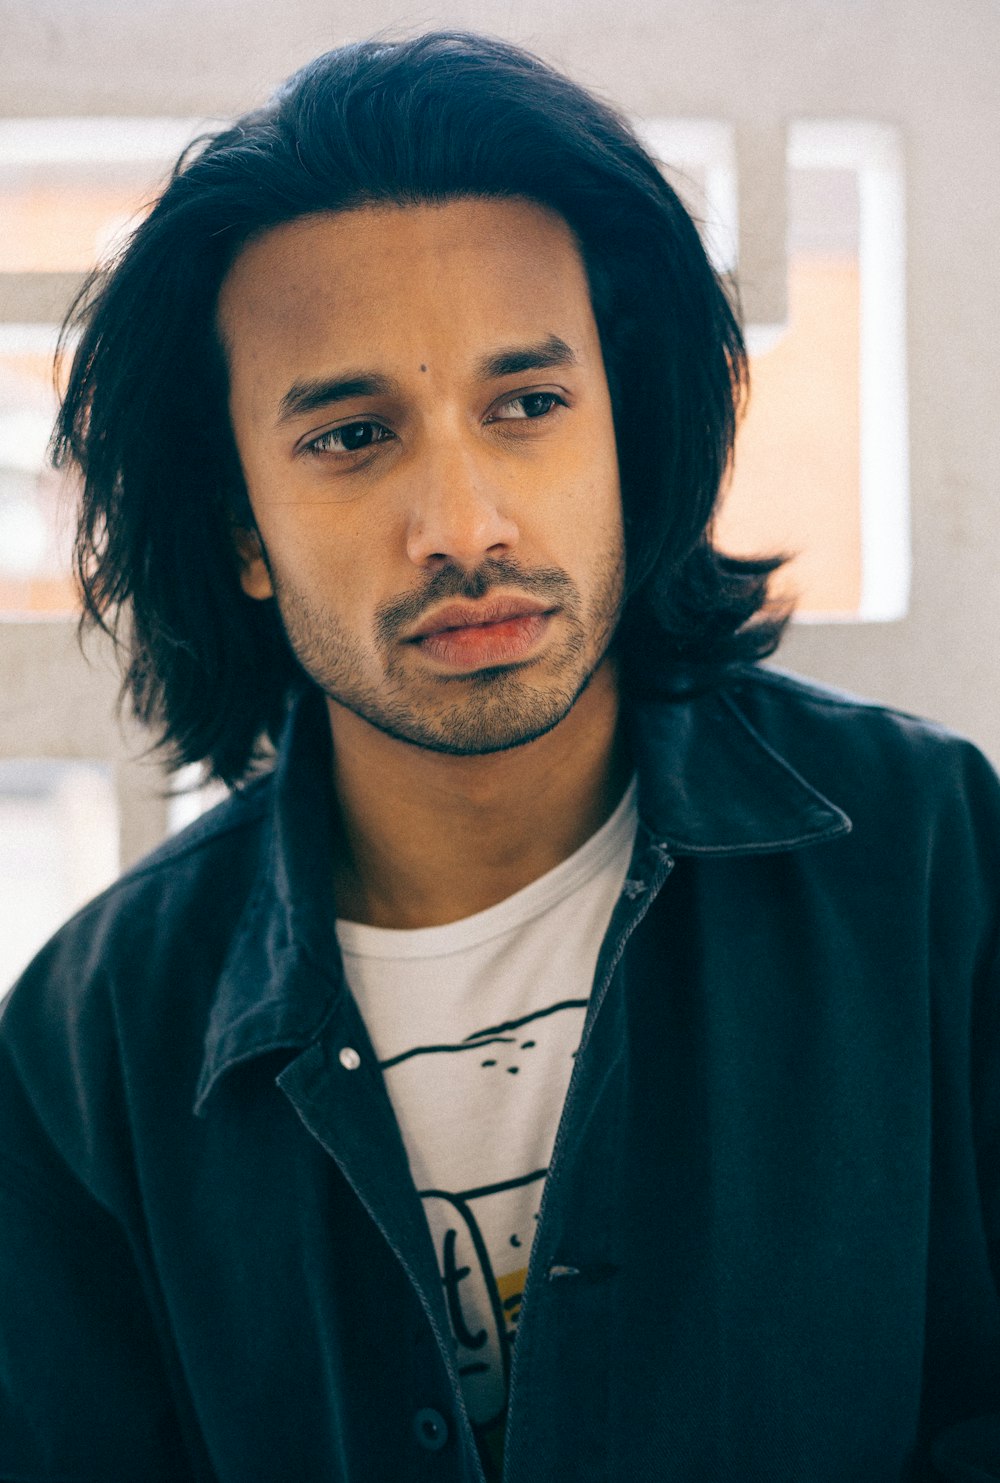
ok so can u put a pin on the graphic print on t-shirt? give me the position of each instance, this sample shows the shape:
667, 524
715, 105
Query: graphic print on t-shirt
476, 1025
483, 1233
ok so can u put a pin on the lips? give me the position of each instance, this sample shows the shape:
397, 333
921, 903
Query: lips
475, 615
485, 646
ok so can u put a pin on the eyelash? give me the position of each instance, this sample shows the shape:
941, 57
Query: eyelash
316, 447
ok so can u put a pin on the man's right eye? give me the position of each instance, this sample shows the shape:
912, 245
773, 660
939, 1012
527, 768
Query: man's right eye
352, 437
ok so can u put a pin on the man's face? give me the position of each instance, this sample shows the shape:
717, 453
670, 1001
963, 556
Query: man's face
435, 479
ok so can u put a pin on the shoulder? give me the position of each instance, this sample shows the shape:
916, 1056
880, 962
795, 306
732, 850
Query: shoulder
792, 705
118, 999
218, 850
179, 904
876, 761
778, 690
217, 832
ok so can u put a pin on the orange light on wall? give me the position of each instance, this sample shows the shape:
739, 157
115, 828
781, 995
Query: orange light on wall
796, 477
49, 230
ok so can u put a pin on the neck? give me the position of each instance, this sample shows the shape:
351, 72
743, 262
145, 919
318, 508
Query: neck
424, 838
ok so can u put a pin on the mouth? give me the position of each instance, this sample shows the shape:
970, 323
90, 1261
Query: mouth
457, 617
484, 644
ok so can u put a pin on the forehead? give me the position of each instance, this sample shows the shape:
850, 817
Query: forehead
466, 272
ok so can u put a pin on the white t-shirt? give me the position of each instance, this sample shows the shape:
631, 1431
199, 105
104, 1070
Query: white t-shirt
475, 1025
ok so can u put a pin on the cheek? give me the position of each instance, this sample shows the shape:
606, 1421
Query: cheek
591, 514
330, 562
602, 552
606, 486
590, 466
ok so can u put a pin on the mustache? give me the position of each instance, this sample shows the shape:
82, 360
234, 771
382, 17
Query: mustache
550, 584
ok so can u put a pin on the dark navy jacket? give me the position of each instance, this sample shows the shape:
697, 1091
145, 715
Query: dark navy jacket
768, 1245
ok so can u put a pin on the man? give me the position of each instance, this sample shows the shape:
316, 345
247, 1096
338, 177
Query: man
578, 1056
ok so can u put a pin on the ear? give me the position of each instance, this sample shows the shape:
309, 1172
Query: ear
255, 579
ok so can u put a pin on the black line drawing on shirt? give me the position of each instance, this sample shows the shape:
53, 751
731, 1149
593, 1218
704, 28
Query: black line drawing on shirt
494, 1034
464, 1262
483, 1300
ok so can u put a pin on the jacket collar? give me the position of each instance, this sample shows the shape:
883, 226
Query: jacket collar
282, 977
708, 784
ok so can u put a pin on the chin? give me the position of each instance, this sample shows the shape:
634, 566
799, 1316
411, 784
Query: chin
487, 724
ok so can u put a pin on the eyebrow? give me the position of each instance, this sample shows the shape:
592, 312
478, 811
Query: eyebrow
308, 396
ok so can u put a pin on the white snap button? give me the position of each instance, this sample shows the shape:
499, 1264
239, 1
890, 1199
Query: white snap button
349, 1058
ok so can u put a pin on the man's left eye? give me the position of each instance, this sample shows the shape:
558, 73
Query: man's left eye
535, 404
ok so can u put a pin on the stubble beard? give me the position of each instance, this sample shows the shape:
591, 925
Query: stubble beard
491, 710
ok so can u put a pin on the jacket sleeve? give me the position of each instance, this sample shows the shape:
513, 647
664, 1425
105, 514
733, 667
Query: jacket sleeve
84, 1394
968, 1451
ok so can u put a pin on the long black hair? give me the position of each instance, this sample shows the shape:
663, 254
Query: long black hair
442, 115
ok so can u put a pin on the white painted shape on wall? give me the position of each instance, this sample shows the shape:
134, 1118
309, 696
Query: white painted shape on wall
59, 141
707, 145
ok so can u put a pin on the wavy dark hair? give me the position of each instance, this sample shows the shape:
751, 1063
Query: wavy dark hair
446, 114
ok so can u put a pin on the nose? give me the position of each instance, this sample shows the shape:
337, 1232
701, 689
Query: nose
457, 513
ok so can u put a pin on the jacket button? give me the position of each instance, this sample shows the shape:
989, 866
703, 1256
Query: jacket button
431, 1429
349, 1058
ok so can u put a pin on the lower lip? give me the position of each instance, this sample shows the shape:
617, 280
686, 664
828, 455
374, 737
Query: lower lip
486, 643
